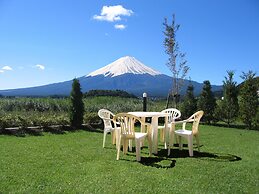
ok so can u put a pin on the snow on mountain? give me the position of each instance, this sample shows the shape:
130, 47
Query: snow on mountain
124, 65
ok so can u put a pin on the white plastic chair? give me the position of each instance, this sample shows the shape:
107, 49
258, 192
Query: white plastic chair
126, 132
174, 114
188, 134
107, 117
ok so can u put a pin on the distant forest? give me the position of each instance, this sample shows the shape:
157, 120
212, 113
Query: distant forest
120, 93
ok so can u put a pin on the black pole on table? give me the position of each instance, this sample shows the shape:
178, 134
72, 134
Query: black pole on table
144, 102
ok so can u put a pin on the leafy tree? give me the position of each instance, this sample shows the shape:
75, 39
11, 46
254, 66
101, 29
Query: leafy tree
189, 105
207, 102
77, 107
176, 62
248, 99
229, 107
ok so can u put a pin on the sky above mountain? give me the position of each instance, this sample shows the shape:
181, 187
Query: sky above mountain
48, 41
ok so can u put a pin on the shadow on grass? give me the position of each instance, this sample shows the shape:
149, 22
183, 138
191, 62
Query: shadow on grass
158, 162
219, 157
162, 160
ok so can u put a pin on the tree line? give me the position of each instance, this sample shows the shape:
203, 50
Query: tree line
120, 93
237, 101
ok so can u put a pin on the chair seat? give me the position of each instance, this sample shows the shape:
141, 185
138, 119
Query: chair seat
139, 135
183, 132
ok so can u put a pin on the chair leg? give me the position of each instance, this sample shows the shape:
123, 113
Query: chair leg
130, 145
125, 145
113, 137
180, 142
104, 137
177, 139
138, 150
118, 145
142, 143
190, 145
198, 141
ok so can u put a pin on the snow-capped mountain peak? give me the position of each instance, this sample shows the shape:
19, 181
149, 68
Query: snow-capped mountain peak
124, 65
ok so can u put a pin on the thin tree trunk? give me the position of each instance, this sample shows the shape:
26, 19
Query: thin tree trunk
167, 101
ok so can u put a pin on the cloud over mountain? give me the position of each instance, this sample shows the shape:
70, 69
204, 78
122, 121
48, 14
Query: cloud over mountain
113, 13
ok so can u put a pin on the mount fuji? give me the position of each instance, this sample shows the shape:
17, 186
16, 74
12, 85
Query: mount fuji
124, 65
126, 73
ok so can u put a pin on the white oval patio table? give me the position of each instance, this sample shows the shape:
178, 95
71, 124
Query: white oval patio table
154, 125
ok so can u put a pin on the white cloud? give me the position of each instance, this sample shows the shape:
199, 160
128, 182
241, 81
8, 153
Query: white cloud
113, 13
39, 66
7, 68
1, 71
119, 26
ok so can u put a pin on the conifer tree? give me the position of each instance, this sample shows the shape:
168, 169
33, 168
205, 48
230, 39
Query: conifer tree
77, 105
229, 108
189, 105
207, 102
248, 99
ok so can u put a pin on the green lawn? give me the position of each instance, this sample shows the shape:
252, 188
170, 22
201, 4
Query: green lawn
75, 162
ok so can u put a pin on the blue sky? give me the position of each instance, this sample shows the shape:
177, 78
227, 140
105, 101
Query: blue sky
49, 41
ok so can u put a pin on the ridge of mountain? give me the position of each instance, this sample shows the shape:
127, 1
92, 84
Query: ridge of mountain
126, 73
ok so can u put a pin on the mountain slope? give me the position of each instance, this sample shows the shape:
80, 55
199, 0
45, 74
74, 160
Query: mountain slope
126, 73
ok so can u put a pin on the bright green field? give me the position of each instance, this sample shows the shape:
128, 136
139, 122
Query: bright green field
75, 162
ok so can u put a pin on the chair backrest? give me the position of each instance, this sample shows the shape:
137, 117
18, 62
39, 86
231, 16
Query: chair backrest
174, 114
196, 117
107, 117
127, 124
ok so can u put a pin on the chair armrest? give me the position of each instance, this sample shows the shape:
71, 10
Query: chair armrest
108, 119
184, 122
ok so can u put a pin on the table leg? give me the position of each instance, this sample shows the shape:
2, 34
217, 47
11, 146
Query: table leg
154, 126
143, 129
166, 131
171, 137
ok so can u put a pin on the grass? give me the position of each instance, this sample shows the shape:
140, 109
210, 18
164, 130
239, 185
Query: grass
75, 162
